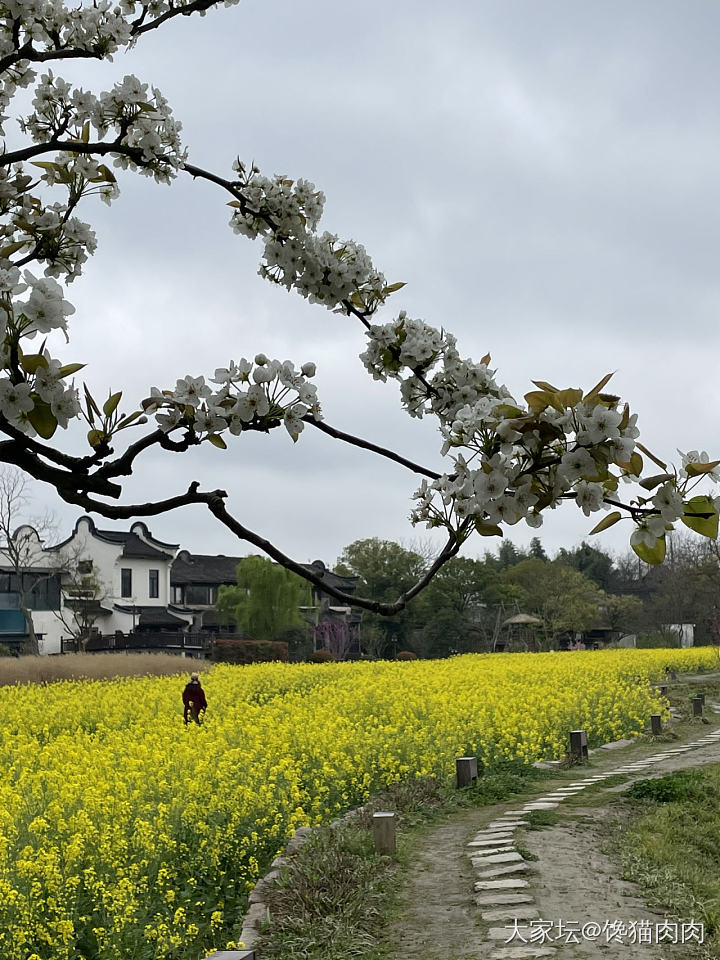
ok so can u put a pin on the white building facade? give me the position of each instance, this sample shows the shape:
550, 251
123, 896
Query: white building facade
117, 581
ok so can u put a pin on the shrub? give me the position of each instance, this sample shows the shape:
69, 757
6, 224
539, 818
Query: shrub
652, 641
321, 656
243, 651
405, 655
677, 786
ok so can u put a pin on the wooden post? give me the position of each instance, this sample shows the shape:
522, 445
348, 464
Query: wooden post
663, 691
697, 706
701, 696
578, 745
384, 832
466, 771
656, 724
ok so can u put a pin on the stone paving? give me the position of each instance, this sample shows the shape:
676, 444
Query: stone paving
502, 892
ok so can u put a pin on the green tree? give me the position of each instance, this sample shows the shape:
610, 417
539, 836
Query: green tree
266, 601
593, 563
536, 549
454, 607
564, 599
386, 569
622, 612
507, 556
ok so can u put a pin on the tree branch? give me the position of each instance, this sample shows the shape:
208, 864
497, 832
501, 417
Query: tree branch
214, 500
367, 445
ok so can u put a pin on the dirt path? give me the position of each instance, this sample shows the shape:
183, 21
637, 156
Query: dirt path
572, 881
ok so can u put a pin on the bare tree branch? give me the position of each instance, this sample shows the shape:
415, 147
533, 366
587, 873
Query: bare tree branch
367, 445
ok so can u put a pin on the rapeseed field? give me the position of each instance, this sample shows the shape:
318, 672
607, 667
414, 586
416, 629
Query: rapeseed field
125, 835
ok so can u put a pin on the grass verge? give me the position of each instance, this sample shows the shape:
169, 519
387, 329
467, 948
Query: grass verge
671, 845
93, 666
336, 897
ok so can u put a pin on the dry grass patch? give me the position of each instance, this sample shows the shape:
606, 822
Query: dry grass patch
94, 666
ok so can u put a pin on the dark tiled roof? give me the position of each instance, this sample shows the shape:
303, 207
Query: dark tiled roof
346, 584
133, 546
202, 568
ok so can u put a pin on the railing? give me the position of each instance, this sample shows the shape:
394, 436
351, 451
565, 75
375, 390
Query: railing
196, 644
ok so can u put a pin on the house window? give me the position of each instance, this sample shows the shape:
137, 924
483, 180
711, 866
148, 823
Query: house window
154, 585
200, 594
85, 566
125, 582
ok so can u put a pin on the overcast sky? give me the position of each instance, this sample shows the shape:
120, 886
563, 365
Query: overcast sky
544, 177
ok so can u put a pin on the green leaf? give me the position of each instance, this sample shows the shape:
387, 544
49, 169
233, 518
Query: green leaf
652, 555
569, 397
649, 483
544, 385
598, 387
31, 362
217, 441
488, 529
393, 287
696, 469
45, 164
42, 418
95, 437
610, 520
706, 526
70, 368
111, 404
12, 248
636, 464
107, 173
538, 400
663, 466
130, 419
92, 408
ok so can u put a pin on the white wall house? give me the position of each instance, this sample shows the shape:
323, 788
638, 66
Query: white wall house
127, 575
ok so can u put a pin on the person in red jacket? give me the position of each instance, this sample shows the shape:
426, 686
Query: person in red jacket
194, 700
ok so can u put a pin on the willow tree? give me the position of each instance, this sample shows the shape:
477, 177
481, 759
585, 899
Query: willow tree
266, 601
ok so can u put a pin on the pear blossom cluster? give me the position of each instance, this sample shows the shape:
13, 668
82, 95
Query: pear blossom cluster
249, 395
323, 269
32, 382
140, 119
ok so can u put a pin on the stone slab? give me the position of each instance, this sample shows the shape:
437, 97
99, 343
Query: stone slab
514, 883
502, 836
498, 858
483, 856
543, 805
510, 913
515, 822
521, 953
497, 899
487, 856
616, 744
502, 871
